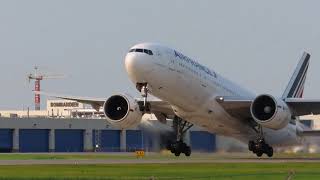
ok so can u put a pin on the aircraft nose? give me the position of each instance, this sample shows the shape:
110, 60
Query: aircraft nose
135, 66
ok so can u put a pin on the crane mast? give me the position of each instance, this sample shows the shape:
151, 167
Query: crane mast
38, 77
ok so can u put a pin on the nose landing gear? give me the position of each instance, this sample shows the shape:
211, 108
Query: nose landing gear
259, 147
143, 89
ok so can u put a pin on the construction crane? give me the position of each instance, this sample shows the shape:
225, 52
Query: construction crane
39, 77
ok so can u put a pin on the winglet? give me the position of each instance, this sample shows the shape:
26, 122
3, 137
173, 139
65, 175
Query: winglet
295, 86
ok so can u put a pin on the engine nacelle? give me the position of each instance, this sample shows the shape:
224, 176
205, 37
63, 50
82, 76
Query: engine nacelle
122, 111
270, 112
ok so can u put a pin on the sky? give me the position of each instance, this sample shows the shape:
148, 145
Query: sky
256, 44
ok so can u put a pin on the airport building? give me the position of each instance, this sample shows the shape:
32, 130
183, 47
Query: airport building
68, 126
88, 135
55, 108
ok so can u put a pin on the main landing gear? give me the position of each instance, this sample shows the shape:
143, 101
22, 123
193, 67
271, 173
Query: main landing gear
259, 146
181, 127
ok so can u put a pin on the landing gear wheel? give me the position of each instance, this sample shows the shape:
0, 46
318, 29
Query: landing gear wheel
177, 154
187, 151
179, 147
259, 148
270, 152
259, 153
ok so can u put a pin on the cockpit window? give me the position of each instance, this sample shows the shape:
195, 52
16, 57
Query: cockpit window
150, 52
147, 51
139, 50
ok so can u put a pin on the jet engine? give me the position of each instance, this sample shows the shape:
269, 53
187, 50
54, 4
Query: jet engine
122, 111
270, 112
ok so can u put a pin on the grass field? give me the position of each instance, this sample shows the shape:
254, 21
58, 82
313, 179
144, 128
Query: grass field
245, 171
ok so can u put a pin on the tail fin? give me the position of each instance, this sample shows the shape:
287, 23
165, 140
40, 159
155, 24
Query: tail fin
295, 86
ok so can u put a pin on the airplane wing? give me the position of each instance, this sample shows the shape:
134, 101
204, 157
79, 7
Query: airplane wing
96, 103
240, 106
161, 109
300, 107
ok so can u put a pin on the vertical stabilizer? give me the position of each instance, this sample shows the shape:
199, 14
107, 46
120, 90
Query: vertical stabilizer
295, 86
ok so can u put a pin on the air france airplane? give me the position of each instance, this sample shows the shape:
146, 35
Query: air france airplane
192, 94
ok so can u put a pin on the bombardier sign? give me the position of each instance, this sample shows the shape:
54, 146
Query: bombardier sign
64, 104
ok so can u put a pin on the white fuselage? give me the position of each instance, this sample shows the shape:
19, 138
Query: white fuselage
191, 89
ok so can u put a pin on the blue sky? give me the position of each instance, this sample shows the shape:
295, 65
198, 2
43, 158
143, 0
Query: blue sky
254, 43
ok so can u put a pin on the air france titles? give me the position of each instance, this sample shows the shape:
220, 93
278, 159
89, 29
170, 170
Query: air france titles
195, 64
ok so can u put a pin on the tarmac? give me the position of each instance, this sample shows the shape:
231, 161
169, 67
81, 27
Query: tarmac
91, 162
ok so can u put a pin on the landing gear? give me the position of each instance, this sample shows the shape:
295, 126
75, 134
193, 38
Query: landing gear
259, 146
177, 147
143, 89
180, 126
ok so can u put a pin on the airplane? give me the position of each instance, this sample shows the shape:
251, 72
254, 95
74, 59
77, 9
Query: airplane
192, 94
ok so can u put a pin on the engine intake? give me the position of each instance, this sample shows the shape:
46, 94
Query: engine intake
264, 107
116, 107
122, 111
270, 112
